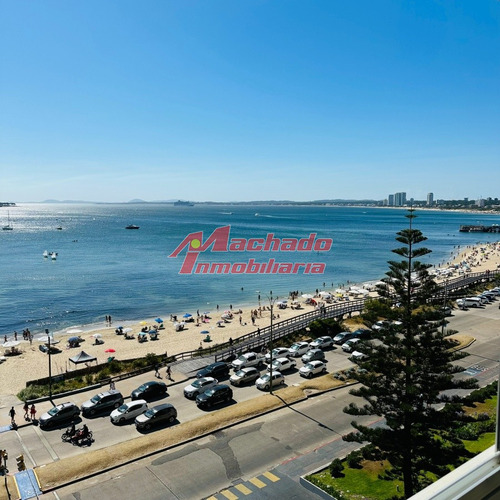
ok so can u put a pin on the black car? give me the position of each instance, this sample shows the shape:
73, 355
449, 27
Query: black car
216, 370
149, 390
218, 394
155, 416
362, 333
104, 401
64, 412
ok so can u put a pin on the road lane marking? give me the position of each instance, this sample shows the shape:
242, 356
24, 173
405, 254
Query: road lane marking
243, 489
271, 476
228, 494
257, 482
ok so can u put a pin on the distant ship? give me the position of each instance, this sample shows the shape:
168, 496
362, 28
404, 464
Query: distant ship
131, 226
180, 203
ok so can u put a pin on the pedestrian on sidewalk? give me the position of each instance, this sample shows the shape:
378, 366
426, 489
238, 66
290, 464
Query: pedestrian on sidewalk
33, 412
157, 373
112, 385
169, 373
26, 409
12, 414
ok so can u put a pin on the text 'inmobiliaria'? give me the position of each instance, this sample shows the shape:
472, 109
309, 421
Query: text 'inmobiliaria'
220, 241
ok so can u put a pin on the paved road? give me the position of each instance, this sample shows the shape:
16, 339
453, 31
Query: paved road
287, 443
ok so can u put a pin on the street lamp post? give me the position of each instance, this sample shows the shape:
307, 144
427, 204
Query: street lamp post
271, 303
50, 365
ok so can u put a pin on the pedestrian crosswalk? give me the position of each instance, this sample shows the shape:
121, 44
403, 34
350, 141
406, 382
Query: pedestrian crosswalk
246, 488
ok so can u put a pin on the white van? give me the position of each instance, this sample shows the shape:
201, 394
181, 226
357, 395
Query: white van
472, 302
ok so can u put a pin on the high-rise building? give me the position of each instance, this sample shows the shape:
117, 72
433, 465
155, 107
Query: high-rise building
390, 200
400, 199
430, 199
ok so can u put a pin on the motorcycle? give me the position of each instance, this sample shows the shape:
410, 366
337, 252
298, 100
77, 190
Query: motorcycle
78, 437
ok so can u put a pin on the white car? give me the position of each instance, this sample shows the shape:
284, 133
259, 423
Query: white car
245, 375
128, 411
312, 368
199, 386
278, 352
358, 356
350, 345
321, 343
298, 349
282, 364
264, 382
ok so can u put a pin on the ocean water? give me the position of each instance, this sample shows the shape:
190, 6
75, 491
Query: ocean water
102, 268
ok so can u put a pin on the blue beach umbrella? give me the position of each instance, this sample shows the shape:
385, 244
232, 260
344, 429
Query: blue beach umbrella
204, 331
187, 315
159, 320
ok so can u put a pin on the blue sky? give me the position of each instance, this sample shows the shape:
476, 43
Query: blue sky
238, 100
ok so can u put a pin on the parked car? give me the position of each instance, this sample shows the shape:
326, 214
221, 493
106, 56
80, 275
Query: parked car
64, 412
342, 337
282, 364
245, 375
322, 342
149, 390
198, 386
248, 359
380, 325
264, 382
358, 356
363, 333
350, 345
312, 368
104, 401
218, 394
298, 348
164, 413
313, 354
128, 411
277, 352
218, 370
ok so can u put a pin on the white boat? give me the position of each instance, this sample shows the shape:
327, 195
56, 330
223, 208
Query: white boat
9, 226
53, 255
46, 254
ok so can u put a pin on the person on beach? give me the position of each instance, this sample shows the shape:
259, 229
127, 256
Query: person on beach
33, 412
12, 414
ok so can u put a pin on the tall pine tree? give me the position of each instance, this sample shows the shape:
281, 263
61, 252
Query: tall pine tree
408, 368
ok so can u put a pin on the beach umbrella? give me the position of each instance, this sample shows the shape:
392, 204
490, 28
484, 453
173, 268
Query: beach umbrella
187, 315
142, 334
152, 331
307, 296
45, 339
11, 343
206, 312
159, 320
96, 336
220, 322
74, 339
143, 323
127, 330
204, 331
109, 350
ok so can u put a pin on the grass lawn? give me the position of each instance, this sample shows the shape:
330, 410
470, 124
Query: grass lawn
479, 445
363, 483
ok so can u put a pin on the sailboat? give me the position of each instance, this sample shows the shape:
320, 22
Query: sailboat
9, 226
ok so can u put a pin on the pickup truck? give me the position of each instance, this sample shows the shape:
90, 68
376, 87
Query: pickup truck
248, 359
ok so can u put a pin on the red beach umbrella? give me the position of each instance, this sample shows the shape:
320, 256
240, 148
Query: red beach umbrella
109, 350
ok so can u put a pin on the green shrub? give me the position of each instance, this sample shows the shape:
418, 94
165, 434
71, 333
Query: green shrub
354, 459
336, 468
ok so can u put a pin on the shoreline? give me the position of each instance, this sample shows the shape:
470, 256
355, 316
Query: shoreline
32, 364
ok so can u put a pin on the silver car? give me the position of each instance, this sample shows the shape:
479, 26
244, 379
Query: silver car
199, 386
264, 382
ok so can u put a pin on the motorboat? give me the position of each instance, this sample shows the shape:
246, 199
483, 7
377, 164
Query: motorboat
9, 226
131, 226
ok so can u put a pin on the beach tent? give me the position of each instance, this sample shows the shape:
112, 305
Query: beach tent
83, 357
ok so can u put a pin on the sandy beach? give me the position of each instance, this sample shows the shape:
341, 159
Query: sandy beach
32, 364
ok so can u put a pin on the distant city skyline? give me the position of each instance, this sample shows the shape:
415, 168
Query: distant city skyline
240, 101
